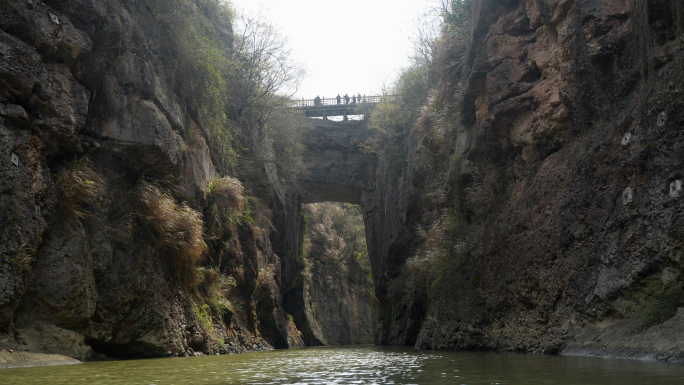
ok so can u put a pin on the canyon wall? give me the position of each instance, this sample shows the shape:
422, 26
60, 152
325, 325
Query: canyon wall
534, 206
335, 305
91, 113
563, 191
122, 233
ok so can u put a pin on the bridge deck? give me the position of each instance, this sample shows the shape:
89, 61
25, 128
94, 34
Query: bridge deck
335, 107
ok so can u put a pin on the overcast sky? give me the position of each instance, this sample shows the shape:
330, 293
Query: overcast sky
346, 46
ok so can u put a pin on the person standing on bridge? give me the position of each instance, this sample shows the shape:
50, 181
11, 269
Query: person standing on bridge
346, 99
353, 99
359, 98
338, 98
317, 101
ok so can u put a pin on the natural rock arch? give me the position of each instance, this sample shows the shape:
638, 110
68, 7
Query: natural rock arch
334, 169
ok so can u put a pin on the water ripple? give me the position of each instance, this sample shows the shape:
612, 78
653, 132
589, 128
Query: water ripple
356, 365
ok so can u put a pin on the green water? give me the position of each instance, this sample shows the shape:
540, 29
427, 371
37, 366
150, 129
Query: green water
356, 365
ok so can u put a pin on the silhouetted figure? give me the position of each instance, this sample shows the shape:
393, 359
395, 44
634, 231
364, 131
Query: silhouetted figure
359, 98
317, 101
353, 99
325, 116
346, 99
338, 98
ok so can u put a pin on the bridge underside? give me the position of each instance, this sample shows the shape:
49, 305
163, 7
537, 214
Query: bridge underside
334, 167
335, 110
328, 192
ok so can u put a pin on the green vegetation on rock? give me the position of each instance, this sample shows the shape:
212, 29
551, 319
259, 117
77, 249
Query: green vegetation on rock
655, 301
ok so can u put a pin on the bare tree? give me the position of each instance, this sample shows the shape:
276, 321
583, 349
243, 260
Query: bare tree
263, 73
426, 32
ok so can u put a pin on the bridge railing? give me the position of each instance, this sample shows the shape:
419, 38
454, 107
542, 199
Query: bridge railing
332, 102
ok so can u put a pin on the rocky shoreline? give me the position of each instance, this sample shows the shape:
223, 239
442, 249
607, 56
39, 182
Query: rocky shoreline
13, 359
623, 339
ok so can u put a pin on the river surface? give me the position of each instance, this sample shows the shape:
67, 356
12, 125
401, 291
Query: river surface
356, 365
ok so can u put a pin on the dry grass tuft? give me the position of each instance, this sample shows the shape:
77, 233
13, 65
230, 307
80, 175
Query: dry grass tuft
227, 191
481, 195
266, 278
262, 215
178, 230
82, 192
226, 199
23, 258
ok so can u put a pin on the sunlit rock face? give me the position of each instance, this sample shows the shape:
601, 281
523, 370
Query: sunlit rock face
586, 209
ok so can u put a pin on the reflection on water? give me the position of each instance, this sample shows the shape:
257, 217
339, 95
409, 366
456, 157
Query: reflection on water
356, 365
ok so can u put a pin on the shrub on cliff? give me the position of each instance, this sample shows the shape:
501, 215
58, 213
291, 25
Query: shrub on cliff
227, 191
265, 279
441, 247
215, 288
83, 190
391, 121
655, 300
197, 47
177, 229
226, 197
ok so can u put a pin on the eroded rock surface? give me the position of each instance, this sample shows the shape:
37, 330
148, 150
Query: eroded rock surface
335, 167
85, 82
335, 303
583, 162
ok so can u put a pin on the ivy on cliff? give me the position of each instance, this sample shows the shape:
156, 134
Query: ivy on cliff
391, 121
232, 70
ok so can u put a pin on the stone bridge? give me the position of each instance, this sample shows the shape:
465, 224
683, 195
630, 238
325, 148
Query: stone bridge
334, 169
349, 105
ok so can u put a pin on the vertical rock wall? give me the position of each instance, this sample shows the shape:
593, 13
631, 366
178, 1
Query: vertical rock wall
86, 83
335, 304
572, 116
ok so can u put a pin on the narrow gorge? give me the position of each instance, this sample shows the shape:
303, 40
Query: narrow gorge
519, 190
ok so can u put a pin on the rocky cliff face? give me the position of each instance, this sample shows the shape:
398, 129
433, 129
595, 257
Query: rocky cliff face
85, 86
566, 175
339, 306
335, 304
539, 194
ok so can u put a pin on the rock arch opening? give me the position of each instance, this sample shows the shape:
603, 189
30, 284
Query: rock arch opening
335, 302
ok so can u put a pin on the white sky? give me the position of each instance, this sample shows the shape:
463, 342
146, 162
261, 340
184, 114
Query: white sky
346, 46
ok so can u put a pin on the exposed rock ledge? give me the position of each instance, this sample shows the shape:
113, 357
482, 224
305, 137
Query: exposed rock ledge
621, 339
24, 359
